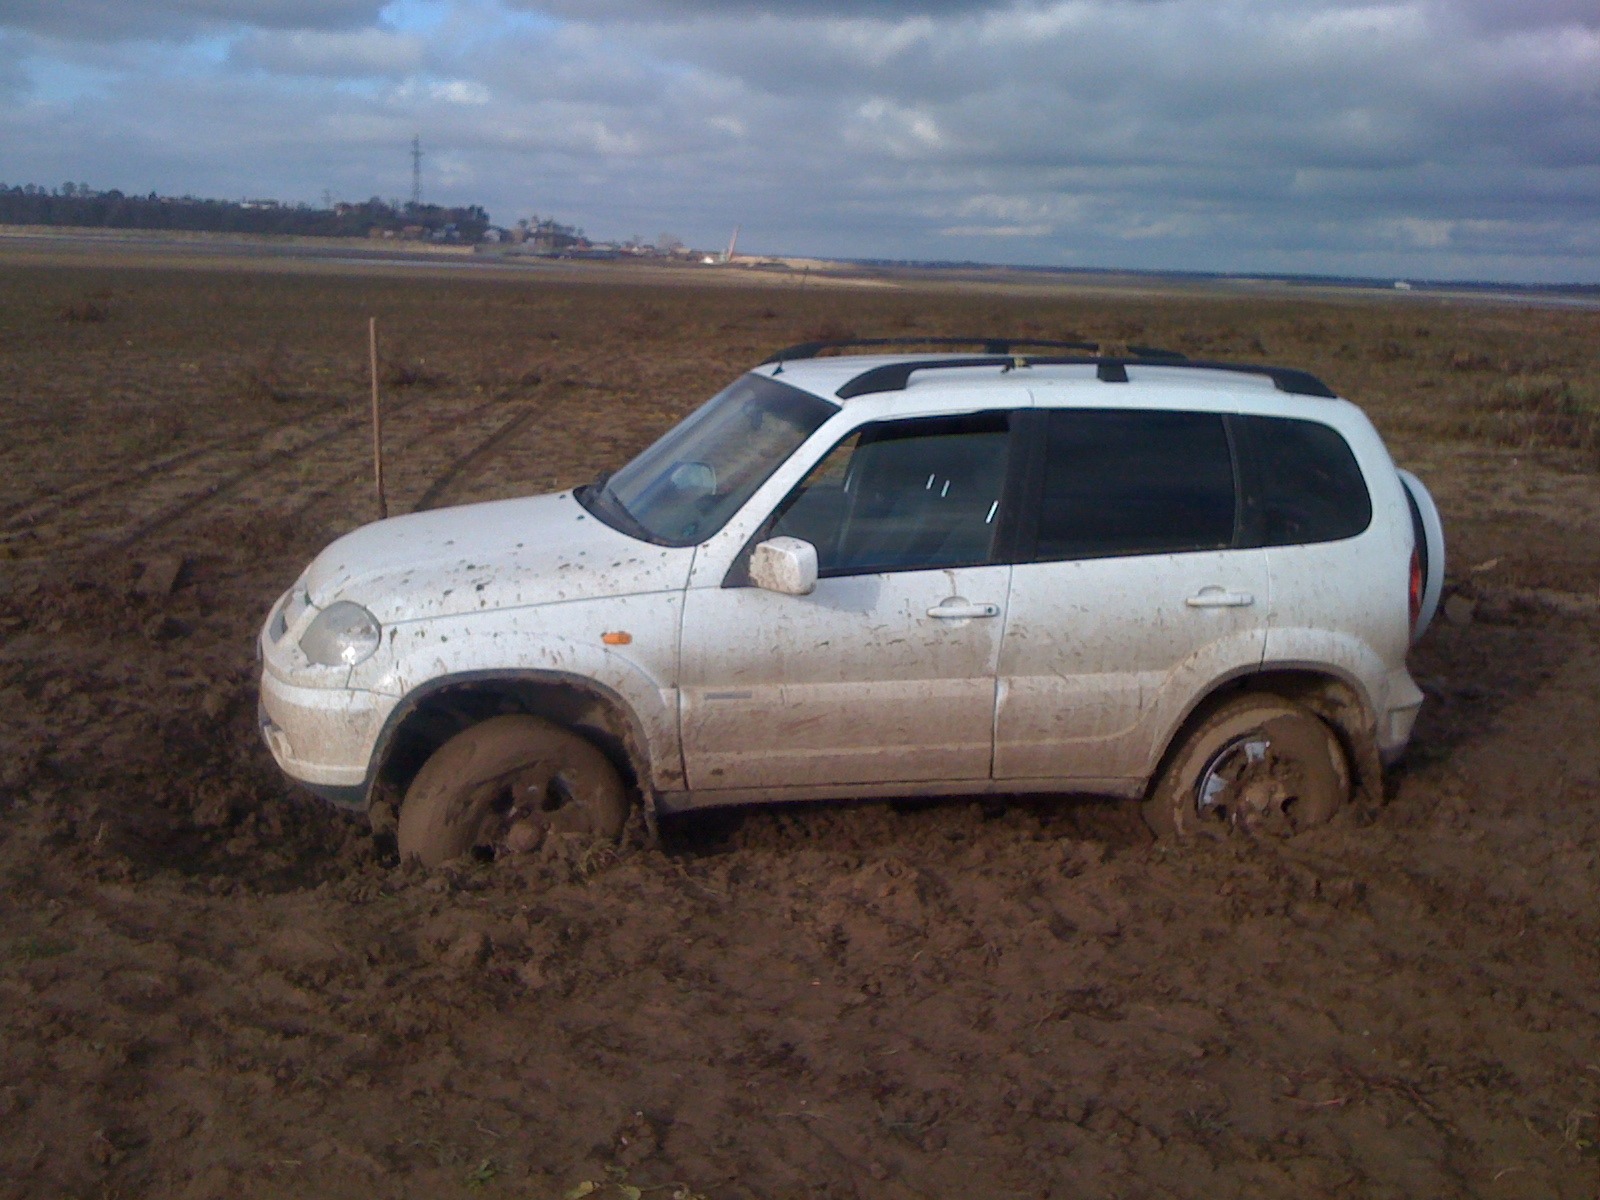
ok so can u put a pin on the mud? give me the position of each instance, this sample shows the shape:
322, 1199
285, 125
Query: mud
211, 986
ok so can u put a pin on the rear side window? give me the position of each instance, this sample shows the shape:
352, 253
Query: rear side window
1302, 483
1120, 482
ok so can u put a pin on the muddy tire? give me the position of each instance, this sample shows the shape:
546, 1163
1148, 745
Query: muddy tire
1258, 765
505, 785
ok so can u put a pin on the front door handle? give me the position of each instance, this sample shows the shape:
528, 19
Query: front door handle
1215, 597
960, 610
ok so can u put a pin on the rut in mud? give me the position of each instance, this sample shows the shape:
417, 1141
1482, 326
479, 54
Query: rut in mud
210, 986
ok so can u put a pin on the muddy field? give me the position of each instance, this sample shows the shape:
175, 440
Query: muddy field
212, 987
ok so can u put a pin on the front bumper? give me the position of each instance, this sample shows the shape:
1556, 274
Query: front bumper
323, 737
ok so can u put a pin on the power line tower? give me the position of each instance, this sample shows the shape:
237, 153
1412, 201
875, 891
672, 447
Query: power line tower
416, 171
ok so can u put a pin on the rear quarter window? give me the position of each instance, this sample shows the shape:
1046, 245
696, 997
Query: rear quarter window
1122, 482
1302, 483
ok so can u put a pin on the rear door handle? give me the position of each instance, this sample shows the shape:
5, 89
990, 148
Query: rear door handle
1215, 597
962, 611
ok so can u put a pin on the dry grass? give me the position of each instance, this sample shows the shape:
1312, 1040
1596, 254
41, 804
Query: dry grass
85, 312
267, 379
1535, 411
232, 346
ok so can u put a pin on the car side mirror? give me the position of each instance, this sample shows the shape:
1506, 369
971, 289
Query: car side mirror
786, 565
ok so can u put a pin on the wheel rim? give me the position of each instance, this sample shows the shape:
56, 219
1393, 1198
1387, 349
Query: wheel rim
1256, 784
528, 805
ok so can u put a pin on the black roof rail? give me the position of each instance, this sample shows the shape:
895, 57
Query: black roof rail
1291, 380
991, 345
893, 377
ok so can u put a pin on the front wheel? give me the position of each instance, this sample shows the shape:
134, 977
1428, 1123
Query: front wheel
506, 784
1259, 764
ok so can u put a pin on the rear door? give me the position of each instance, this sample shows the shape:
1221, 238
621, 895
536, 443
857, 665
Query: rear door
1128, 594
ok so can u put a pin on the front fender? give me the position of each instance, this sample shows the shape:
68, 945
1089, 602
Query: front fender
638, 673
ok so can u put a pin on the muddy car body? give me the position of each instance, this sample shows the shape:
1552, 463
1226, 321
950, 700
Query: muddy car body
887, 575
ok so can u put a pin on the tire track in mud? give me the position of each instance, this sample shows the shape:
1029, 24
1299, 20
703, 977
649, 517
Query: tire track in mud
241, 488
112, 510
473, 461
98, 522
303, 458
464, 467
99, 528
46, 508
450, 473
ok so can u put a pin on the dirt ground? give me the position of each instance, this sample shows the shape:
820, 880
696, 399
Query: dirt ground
210, 986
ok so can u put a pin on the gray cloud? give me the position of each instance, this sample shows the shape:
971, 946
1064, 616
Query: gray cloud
116, 20
336, 54
13, 79
1418, 137
1500, 16
669, 12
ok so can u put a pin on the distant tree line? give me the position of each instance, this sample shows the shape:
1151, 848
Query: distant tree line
80, 205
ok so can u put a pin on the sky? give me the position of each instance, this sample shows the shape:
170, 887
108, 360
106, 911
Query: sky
1424, 139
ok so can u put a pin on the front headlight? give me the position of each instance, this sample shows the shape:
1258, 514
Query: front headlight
341, 635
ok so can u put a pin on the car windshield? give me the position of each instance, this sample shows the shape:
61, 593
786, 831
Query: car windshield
685, 487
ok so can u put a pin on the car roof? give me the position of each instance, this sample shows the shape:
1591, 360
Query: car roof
846, 376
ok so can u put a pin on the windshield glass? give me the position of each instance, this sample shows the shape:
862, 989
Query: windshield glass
685, 487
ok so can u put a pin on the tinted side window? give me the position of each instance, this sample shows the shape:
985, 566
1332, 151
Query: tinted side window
903, 495
1304, 484
1119, 482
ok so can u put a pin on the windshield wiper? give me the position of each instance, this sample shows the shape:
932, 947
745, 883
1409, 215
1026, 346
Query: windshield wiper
599, 499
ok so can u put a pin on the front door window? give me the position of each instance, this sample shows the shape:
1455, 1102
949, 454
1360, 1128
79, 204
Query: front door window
904, 496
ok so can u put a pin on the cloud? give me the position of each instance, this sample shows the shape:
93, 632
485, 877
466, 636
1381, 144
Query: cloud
116, 20
880, 126
336, 55
441, 91
668, 12
1013, 208
996, 231
1200, 134
13, 78
1499, 16
1420, 231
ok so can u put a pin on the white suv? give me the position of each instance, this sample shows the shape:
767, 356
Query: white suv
889, 575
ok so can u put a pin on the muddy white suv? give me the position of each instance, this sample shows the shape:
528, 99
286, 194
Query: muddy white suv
898, 574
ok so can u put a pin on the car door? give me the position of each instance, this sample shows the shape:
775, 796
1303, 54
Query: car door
885, 673
1128, 595
1337, 576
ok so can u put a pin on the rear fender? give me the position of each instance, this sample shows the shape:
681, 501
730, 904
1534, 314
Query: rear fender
1338, 699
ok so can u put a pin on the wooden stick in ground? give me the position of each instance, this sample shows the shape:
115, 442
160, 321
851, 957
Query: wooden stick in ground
377, 418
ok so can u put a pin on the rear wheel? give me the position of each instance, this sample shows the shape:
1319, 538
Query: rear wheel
1259, 764
505, 785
